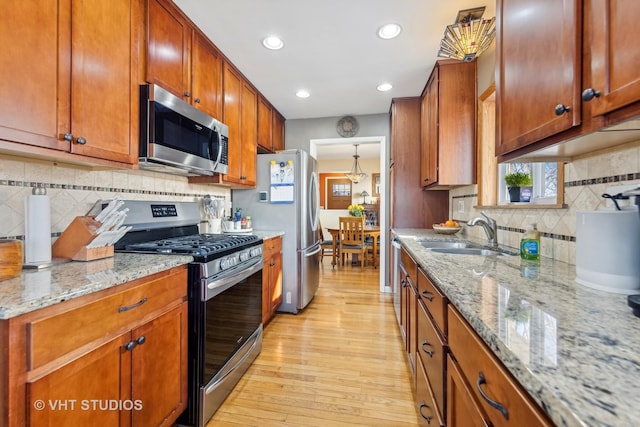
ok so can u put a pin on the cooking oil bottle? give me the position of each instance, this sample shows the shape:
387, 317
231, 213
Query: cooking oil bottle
530, 243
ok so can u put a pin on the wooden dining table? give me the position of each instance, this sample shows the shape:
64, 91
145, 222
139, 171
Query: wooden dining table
369, 230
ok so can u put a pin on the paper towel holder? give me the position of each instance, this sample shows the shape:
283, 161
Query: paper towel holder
29, 265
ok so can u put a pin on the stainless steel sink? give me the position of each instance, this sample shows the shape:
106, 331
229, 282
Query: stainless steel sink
471, 251
440, 244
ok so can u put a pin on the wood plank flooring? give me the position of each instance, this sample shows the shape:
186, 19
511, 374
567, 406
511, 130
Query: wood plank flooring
338, 363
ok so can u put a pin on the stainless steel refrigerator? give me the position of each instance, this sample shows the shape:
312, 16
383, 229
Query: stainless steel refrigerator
286, 198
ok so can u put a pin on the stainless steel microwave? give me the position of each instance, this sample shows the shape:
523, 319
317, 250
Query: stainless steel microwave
177, 138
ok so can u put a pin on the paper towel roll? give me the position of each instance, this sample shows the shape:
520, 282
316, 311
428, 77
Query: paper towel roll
37, 228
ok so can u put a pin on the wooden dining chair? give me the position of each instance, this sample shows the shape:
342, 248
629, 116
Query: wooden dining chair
325, 244
352, 237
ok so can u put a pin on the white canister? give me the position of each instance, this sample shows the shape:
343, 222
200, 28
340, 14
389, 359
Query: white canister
608, 250
215, 225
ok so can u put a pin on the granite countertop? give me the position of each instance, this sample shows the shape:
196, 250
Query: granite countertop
268, 234
35, 289
574, 349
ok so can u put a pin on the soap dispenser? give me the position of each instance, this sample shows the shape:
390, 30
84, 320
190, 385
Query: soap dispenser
530, 243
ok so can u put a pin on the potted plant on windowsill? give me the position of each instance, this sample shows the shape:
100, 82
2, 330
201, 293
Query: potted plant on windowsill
519, 185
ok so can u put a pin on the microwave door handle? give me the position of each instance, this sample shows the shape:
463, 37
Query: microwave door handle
216, 130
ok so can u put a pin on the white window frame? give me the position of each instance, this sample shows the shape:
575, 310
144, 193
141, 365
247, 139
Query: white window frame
538, 178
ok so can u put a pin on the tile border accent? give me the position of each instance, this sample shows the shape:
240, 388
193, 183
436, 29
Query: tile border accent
603, 180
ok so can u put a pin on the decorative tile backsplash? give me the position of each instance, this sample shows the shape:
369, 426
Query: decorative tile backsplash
586, 179
73, 190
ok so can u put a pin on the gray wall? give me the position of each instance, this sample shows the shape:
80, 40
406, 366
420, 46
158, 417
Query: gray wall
299, 132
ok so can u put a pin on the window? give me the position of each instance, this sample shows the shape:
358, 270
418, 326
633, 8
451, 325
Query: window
339, 193
544, 176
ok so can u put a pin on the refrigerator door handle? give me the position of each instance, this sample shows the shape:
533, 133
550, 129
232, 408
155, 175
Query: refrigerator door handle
318, 249
314, 201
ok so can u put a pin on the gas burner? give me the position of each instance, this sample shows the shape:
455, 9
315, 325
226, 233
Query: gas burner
197, 245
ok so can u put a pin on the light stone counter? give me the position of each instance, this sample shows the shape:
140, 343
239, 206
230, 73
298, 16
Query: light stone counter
574, 349
268, 234
35, 289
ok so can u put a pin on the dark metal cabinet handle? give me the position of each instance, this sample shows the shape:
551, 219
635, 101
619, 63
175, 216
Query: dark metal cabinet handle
81, 140
561, 109
141, 340
499, 406
130, 345
426, 417
425, 294
426, 179
589, 93
68, 137
197, 100
130, 307
187, 94
427, 343
404, 283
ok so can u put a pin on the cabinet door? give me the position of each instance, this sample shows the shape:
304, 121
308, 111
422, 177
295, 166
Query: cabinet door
249, 122
34, 97
429, 132
462, 408
277, 131
231, 113
75, 394
249, 134
615, 72
206, 76
159, 368
265, 124
167, 47
275, 284
538, 71
104, 82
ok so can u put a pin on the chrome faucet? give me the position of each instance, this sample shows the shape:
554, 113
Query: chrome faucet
490, 228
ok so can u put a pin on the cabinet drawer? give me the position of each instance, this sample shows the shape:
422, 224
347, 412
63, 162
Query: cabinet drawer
432, 351
54, 336
434, 301
272, 246
409, 264
476, 361
429, 413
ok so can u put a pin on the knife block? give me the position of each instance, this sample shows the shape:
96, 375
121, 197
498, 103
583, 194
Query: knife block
72, 243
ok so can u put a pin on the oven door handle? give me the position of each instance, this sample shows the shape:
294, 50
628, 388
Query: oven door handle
232, 369
222, 284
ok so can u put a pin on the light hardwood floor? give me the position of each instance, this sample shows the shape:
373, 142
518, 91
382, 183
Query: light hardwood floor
338, 363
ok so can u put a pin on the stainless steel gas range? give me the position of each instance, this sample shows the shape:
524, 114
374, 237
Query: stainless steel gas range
225, 297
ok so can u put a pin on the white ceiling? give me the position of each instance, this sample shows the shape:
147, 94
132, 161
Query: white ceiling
331, 48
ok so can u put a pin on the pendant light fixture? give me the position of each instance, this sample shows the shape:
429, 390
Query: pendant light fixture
356, 175
469, 36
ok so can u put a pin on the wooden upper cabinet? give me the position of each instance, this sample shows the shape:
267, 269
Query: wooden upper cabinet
448, 126
31, 100
249, 134
615, 69
106, 131
232, 118
206, 76
53, 104
277, 131
168, 38
265, 124
538, 72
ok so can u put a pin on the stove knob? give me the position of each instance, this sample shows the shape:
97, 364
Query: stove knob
244, 255
256, 252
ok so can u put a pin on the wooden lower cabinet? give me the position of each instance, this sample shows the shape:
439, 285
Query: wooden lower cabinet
271, 278
111, 372
463, 410
501, 397
425, 401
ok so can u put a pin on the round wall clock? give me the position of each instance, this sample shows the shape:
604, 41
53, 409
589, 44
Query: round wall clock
347, 126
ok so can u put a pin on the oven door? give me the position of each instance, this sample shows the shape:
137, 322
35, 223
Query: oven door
232, 335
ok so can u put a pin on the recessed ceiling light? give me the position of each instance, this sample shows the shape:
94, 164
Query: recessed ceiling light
273, 42
389, 31
303, 94
383, 87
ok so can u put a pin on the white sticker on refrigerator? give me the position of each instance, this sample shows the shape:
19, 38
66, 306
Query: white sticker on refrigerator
282, 193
